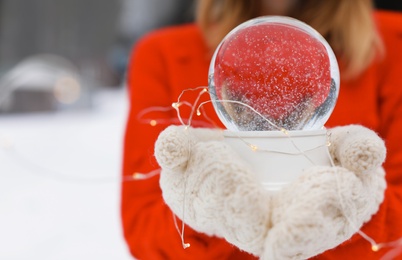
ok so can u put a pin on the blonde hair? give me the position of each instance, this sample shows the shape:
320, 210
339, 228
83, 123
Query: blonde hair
347, 25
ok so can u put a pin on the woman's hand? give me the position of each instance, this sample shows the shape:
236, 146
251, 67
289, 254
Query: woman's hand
214, 191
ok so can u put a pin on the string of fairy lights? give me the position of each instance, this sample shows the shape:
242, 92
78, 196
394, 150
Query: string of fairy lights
395, 246
11, 150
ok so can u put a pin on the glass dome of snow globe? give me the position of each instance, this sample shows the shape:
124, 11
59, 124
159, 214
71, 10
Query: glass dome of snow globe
272, 73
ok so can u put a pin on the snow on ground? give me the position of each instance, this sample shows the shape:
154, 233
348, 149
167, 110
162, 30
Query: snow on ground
59, 183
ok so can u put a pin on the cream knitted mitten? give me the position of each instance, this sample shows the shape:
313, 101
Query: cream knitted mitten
213, 190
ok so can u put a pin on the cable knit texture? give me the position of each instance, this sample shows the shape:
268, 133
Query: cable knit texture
213, 190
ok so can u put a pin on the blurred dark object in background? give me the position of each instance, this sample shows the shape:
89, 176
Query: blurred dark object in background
81, 31
393, 5
42, 83
51, 51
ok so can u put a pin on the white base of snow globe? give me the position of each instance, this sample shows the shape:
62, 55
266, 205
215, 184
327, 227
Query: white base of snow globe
280, 157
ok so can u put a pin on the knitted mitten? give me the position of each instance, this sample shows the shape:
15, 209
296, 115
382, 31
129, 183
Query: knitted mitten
213, 190
327, 205
217, 190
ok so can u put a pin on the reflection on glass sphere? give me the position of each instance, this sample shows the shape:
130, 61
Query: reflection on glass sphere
271, 73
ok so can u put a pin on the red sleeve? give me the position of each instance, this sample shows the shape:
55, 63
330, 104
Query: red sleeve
391, 126
386, 225
148, 223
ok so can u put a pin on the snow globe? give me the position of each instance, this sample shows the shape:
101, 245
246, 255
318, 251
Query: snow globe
274, 82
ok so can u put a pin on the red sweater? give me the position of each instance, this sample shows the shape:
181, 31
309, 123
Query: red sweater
166, 62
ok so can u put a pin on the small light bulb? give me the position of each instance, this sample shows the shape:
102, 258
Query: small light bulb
153, 122
175, 105
253, 147
375, 248
283, 130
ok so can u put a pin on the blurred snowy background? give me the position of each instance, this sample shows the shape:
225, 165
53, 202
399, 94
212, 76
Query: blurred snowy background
59, 182
63, 107
62, 115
